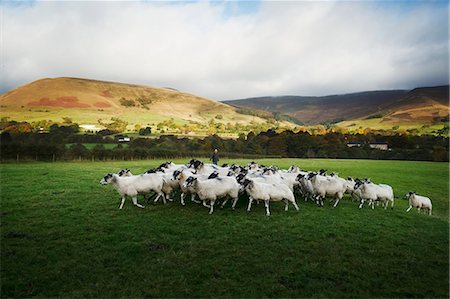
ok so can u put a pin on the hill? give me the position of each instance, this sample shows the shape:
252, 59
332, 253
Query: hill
391, 107
87, 101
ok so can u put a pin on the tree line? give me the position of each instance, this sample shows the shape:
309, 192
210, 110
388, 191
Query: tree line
66, 143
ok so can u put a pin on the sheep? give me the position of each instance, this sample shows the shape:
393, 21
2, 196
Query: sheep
170, 167
372, 192
306, 187
419, 202
134, 185
268, 192
202, 168
168, 185
180, 177
214, 188
326, 186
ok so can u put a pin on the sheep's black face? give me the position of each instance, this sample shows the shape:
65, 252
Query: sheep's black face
189, 182
311, 175
349, 179
106, 179
151, 171
197, 164
176, 174
124, 172
323, 172
246, 183
358, 184
164, 165
240, 177
299, 177
230, 173
409, 194
213, 175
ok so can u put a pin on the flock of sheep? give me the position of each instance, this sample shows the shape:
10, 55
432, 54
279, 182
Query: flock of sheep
210, 182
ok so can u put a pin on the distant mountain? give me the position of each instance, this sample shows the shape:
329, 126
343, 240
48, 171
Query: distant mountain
421, 105
86, 101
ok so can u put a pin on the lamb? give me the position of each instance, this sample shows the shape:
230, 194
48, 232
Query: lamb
134, 185
419, 202
214, 188
268, 192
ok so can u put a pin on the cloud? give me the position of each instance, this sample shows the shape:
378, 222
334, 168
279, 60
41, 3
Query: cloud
223, 50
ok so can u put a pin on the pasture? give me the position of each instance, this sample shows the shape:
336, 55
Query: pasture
63, 236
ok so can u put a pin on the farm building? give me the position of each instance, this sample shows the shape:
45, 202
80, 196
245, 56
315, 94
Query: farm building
377, 145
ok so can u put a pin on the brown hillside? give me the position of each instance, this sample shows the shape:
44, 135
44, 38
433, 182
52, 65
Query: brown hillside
87, 101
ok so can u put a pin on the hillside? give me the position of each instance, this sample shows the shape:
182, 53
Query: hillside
87, 101
421, 105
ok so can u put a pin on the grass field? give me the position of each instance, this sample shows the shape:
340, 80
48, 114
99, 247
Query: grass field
63, 236
105, 145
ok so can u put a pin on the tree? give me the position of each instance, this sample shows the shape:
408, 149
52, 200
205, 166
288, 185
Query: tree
145, 131
127, 103
67, 120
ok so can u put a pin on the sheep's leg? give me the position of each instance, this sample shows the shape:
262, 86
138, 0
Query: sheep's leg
361, 203
193, 198
182, 199
157, 198
168, 197
429, 211
136, 203
410, 207
224, 202
336, 202
234, 203
266, 204
250, 200
211, 209
286, 205
418, 210
121, 204
295, 205
205, 205
163, 197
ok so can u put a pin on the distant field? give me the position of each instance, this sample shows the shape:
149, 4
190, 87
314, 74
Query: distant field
106, 145
378, 124
63, 236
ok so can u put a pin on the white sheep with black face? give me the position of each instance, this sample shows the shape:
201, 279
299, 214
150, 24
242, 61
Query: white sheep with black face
212, 189
370, 192
419, 202
268, 192
134, 185
324, 186
306, 187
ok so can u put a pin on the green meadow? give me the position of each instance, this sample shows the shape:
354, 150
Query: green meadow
62, 235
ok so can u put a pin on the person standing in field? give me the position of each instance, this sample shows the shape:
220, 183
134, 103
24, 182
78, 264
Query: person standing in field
214, 157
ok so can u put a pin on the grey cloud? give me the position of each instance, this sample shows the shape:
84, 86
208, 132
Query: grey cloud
305, 48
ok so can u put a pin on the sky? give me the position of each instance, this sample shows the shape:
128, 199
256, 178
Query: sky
229, 49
